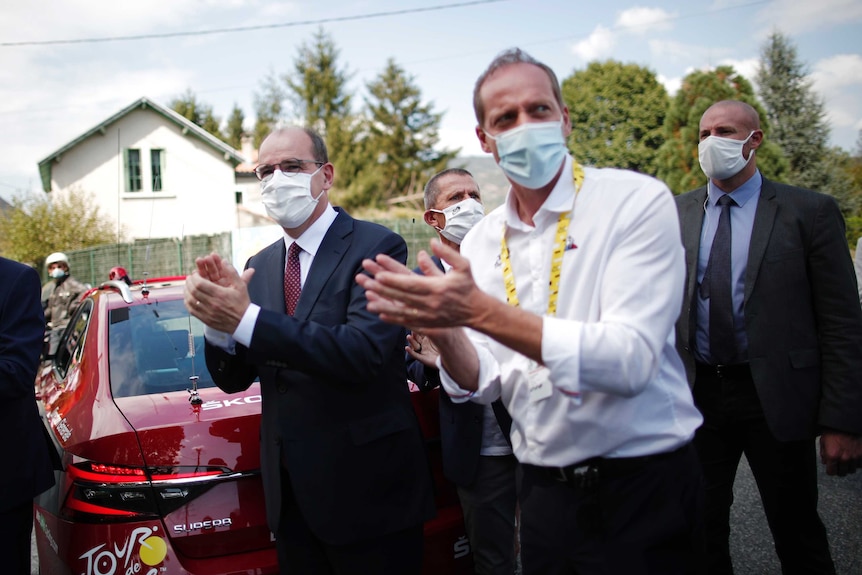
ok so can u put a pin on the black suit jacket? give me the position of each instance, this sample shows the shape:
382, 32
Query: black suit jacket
26, 444
461, 424
336, 409
802, 314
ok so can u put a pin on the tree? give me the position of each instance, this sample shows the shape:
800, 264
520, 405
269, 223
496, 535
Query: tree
677, 159
795, 112
234, 131
402, 133
617, 111
318, 87
318, 90
268, 108
39, 225
200, 114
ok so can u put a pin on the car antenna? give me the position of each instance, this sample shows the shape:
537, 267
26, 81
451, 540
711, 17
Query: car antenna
194, 394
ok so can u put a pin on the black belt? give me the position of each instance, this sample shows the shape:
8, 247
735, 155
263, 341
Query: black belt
587, 473
733, 371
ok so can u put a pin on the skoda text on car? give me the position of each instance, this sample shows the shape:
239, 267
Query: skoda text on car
160, 468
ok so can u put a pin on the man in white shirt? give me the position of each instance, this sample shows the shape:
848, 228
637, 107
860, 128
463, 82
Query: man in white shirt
568, 293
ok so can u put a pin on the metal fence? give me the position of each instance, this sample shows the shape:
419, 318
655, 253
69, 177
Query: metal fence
145, 258
172, 257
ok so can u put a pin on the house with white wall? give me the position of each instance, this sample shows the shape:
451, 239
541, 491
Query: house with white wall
153, 172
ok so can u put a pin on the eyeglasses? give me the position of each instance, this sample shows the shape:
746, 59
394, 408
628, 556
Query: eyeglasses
288, 167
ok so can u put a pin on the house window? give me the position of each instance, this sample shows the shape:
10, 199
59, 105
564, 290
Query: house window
157, 164
133, 170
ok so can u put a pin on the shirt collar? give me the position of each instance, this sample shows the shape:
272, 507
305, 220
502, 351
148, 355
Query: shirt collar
311, 238
559, 200
740, 195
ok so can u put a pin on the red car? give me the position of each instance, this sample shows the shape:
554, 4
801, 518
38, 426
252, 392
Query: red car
161, 469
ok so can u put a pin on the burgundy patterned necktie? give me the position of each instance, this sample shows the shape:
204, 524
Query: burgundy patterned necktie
292, 279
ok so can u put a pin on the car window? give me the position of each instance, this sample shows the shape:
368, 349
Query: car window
72, 342
150, 351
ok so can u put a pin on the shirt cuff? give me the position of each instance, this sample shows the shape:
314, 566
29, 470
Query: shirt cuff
559, 339
245, 329
220, 339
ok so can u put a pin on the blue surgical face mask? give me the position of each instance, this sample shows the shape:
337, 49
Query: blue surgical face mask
532, 153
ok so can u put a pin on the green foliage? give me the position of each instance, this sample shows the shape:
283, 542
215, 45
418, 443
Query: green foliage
854, 230
318, 91
402, 133
200, 114
234, 130
794, 110
318, 87
677, 159
268, 108
617, 111
39, 225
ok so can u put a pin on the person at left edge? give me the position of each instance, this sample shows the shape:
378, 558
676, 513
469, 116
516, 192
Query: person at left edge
346, 480
22, 326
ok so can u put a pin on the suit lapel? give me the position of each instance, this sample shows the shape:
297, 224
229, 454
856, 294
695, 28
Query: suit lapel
267, 284
764, 218
329, 255
691, 216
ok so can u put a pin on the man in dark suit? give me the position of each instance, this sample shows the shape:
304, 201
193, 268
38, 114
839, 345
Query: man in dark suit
346, 479
26, 444
771, 335
477, 456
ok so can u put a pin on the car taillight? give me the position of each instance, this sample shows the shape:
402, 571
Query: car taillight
105, 493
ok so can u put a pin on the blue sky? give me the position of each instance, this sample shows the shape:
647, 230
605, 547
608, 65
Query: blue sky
51, 93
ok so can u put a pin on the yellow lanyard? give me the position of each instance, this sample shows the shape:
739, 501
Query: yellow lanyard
556, 256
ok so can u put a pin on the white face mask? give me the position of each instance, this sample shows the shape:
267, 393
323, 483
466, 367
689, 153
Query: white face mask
532, 153
460, 218
721, 158
288, 199
58, 273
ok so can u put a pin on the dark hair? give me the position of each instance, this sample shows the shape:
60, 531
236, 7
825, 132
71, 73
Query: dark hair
319, 146
432, 188
507, 58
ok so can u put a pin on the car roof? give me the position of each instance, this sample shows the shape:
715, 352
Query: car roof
117, 293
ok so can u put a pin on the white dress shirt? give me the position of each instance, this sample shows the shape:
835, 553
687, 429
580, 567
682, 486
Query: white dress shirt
309, 241
618, 386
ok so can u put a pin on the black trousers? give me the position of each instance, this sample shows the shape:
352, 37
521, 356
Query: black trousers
785, 472
300, 552
641, 521
16, 525
489, 505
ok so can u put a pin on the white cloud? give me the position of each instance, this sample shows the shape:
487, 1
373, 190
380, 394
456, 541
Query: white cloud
670, 84
838, 79
597, 46
836, 72
641, 20
746, 67
798, 16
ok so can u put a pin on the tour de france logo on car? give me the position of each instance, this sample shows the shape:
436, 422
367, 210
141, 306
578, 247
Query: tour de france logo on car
120, 559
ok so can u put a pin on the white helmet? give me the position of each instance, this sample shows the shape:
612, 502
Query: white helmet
56, 257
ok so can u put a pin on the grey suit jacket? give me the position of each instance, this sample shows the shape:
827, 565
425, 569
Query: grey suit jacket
802, 315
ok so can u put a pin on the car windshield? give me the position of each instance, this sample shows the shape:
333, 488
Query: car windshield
150, 350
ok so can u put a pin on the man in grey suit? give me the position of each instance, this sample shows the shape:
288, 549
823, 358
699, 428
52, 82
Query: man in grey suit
346, 479
771, 335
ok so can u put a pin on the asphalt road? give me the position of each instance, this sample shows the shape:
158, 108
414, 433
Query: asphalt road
840, 506
750, 540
